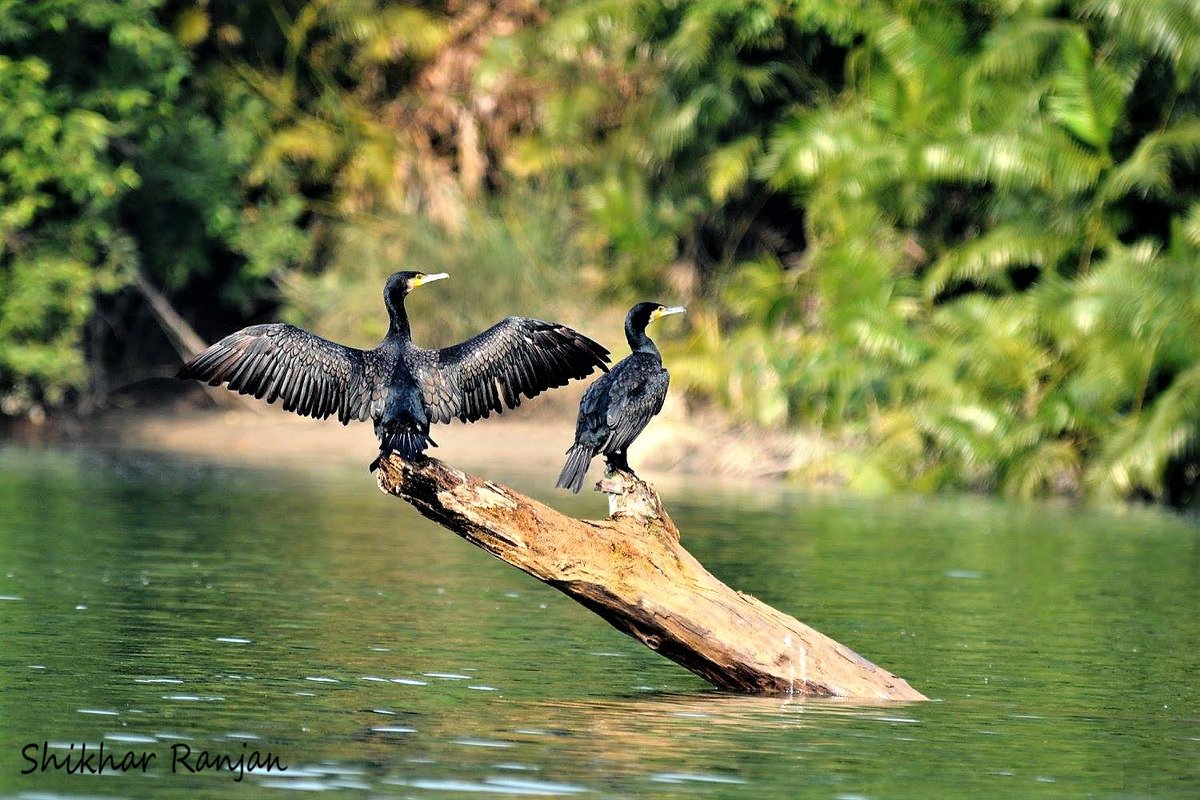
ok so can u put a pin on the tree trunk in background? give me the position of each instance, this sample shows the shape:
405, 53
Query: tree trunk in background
185, 340
632, 571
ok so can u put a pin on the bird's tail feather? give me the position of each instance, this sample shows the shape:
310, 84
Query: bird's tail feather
575, 470
409, 443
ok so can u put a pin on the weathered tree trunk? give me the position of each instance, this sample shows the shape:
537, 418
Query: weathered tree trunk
632, 571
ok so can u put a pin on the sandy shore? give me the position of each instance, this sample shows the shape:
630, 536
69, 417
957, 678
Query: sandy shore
531, 438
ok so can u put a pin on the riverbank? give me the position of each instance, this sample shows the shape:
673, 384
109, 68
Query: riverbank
532, 439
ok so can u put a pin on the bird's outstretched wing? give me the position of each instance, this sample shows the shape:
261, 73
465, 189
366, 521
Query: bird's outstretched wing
519, 356
634, 398
313, 376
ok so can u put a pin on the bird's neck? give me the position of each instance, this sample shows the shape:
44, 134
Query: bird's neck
398, 319
639, 342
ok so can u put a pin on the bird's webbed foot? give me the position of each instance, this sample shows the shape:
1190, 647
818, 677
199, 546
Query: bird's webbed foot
617, 475
411, 458
616, 462
409, 443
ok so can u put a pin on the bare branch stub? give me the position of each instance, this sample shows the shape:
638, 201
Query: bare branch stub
631, 498
633, 572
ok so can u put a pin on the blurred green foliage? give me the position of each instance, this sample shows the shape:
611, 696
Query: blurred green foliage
110, 163
518, 256
964, 233
964, 236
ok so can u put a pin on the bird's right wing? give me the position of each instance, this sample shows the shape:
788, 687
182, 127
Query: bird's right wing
634, 400
313, 376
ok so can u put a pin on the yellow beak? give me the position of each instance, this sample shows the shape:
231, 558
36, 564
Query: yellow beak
420, 280
659, 313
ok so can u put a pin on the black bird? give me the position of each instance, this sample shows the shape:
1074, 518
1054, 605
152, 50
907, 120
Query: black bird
402, 387
617, 407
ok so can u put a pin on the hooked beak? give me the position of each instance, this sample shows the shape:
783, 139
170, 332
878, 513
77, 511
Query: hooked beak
421, 280
666, 312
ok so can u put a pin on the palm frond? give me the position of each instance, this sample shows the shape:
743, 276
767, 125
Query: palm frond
729, 167
1169, 29
1088, 95
1018, 49
1135, 457
987, 260
1191, 224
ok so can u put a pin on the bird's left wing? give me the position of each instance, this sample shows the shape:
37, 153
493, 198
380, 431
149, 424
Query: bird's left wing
519, 356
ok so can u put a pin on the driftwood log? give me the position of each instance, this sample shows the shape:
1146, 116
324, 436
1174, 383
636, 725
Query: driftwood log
632, 570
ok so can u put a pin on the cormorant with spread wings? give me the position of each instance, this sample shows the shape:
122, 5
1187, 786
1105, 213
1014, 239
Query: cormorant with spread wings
402, 387
619, 405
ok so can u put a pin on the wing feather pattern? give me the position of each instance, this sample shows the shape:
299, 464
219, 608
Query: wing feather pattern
313, 376
518, 356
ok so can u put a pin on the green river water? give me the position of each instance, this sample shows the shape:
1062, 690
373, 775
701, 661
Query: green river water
157, 605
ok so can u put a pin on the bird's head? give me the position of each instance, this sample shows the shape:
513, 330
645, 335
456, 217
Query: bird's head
400, 284
643, 314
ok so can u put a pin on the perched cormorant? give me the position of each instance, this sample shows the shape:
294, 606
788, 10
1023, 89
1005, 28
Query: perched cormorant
402, 387
617, 407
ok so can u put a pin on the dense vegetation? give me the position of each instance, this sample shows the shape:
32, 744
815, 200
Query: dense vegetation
964, 235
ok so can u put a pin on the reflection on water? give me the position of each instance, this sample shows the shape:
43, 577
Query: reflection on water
161, 606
